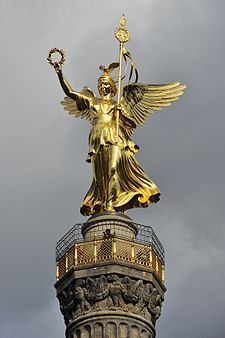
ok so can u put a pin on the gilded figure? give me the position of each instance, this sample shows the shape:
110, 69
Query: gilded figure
119, 183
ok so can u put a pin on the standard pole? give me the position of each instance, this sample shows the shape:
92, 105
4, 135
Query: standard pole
119, 91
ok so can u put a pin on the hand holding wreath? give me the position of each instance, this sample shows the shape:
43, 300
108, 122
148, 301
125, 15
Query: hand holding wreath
57, 65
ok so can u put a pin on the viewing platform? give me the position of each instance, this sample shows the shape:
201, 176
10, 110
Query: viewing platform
106, 239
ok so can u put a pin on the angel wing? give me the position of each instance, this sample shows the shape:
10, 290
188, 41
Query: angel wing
139, 100
81, 106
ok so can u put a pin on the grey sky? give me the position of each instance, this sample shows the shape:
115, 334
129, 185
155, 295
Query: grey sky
44, 176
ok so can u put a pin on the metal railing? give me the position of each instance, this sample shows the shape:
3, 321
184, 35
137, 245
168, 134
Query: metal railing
113, 248
145, 235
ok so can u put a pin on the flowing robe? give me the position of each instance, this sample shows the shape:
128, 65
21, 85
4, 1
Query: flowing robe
119, 183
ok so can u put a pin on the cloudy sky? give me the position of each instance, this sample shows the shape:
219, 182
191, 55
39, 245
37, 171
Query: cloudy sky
43, 172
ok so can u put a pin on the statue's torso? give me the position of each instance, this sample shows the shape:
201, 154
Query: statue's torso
105, 113
104, 131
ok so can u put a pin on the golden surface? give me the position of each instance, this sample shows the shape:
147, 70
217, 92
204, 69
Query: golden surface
119, 183
122, 35
110, 249
53, 51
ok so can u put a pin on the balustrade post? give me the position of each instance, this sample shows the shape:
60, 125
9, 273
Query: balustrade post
132, 252
150, 256
95, 250
57, 270
67, 261
163, 273
156, 264
114, 247
75, 254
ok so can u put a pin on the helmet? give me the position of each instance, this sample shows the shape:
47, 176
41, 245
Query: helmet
106, 77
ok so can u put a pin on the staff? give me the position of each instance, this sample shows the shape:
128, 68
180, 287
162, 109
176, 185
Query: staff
122, 35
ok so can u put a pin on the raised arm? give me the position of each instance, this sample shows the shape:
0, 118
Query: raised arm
68, 90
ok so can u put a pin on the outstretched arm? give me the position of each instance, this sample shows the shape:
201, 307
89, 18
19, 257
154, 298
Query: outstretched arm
68, 90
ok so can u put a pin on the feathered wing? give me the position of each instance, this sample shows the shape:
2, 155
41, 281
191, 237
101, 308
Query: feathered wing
140, 100
81, 106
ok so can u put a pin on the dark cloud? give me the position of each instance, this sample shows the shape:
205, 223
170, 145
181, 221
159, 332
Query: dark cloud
44, 176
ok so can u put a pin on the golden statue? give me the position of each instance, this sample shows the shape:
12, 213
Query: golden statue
119, 183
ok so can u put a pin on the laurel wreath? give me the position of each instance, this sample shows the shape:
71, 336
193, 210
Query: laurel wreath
56, 50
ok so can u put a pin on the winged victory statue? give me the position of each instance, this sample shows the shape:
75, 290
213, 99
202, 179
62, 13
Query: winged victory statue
119, 183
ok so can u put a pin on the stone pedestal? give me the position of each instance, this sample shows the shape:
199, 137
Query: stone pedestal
119, 225
109, 288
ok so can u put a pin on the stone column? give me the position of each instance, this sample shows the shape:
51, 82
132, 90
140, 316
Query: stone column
117, 291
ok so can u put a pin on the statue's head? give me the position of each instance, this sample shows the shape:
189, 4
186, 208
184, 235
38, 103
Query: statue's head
106, 84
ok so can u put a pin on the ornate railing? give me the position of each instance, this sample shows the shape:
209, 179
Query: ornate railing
145, 235
113, 248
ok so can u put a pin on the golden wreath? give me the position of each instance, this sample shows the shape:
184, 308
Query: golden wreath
56, 50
